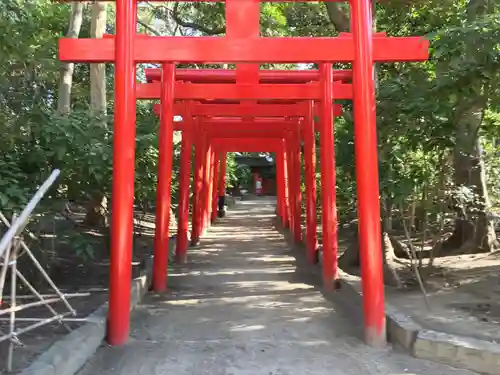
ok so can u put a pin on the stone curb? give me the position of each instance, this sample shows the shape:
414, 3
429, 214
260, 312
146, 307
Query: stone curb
70, 353
67, 355
458, 351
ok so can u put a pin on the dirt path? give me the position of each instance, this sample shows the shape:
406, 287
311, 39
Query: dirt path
240, 307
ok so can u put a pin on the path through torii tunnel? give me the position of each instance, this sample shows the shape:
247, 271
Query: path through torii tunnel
245, 305
246, 110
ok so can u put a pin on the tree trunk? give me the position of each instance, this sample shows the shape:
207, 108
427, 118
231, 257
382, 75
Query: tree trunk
473, 231
97, 205
66, 71
391, 249
96, 210
338, 16
98, 71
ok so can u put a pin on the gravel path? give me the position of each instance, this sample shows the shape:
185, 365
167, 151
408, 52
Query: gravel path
241, 307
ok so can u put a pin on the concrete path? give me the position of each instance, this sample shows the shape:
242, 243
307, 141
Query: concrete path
242, 307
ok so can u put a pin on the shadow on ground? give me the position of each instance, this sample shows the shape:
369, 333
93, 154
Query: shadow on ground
246, 304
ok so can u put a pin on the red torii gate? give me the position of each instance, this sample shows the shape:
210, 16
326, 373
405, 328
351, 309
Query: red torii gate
243, 44
246, 110
152, 91
272, 127
329, 218
284, 91
262, 144
230, 76
229, 126
287, 91
262, 125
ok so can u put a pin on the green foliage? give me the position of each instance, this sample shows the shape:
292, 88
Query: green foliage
237, 174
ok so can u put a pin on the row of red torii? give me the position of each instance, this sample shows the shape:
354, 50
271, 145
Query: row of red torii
246, 110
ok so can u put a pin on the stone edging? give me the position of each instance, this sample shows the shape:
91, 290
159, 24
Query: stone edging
458, 351
68, 354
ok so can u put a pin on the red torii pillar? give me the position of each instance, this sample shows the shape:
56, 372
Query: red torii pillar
310, 178
294, 172
185, 172
215, 185
210, 187
123, 175
164, 184
298, 184
206, 161
280, 188
328, 188
282, 181
197, 189
365, 148
222, 184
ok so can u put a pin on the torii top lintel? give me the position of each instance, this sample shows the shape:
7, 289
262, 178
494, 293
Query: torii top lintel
229, 76
235, 50
224, 125
243, 43
190, 91
242, 110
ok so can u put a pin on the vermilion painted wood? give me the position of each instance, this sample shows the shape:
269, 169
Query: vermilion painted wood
196, 91
328, 179
220, 1
243, 22
297, 162
221, 128
215, 180
279, 187
283, 181
367, 185
201, 201
230, 126
257, 142
163, 198
229, 76
247, 134
291, 181
210, 188
185, 172
223, 172
233, 101
241, 110
120, 270
199, 144
257, 50
308, 131
206, 185
247, 148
